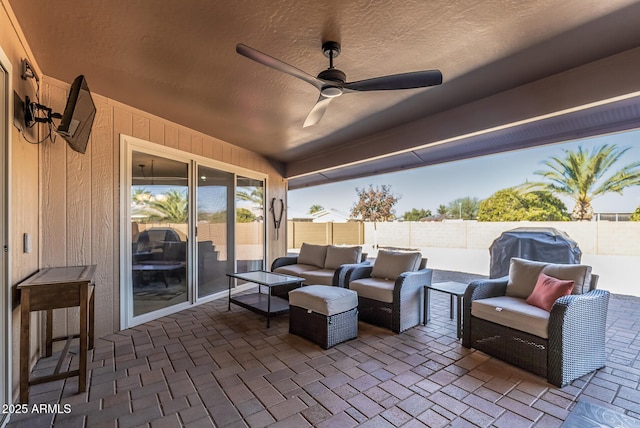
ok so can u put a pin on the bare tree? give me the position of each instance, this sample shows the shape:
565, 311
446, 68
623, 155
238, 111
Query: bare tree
374, 205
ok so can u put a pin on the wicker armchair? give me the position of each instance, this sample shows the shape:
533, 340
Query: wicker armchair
391, 300
574, 343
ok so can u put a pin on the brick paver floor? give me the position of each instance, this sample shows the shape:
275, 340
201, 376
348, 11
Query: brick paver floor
207, 366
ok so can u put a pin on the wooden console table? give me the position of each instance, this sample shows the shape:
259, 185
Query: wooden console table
49, 289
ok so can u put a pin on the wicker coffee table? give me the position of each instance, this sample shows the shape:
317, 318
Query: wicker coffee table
454, 289
264, 304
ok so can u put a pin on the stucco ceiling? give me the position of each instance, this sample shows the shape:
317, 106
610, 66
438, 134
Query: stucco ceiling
177, 60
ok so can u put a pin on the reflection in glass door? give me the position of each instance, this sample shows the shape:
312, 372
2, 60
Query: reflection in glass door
214, 230
159, 230
191, 221
250, 233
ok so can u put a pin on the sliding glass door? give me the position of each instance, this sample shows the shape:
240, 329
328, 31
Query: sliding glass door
159, 232
189, 222
214, 231
250, 224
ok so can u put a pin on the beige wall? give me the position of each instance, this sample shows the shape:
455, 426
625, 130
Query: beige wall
69, 203
80, 200
23, 192
351, 233
598, 238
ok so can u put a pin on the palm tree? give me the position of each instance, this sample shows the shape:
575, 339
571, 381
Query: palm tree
140, 195
580, 175
255, 195
173, 207
315, 208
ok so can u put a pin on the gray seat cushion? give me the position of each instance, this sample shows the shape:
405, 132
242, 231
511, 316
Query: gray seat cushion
374, 288
324, 300
295, 270
318, 276
513, 312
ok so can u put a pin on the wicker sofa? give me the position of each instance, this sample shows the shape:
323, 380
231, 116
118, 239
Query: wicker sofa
319, 264
390, 291
561, 344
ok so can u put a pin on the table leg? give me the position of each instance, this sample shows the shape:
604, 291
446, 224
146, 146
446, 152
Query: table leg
84, 335
49, 334
450, 306
164, 279
459, 329
230, 279
24, 345
427, 309
92, 317
268, 307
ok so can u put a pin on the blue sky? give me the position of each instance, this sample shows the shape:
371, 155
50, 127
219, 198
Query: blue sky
431, 186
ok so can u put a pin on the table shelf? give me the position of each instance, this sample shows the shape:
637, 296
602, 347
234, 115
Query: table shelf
259, 303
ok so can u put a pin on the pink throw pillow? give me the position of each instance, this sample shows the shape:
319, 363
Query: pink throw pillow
547, 290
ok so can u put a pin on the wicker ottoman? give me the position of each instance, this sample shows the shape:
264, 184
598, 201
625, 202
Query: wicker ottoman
323, 314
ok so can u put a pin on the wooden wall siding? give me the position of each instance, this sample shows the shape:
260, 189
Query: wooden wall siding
23, 202
80, 209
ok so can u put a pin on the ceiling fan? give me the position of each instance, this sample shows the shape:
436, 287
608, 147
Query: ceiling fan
331, 82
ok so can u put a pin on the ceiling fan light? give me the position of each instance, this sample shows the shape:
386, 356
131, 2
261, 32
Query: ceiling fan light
331, 91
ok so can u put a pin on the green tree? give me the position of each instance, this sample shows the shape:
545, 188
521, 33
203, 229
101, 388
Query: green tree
251, 194
172, 207
215, 217
512, 205
442, 211
140, 195
315, 208
582, 176
416, 214
465, 208
244, 215
636, 215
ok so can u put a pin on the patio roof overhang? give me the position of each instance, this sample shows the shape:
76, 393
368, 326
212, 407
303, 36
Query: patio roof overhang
509, 68
595, 99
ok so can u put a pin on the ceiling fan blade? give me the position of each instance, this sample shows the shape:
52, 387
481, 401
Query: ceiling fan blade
416, 79
317, 111
276, 64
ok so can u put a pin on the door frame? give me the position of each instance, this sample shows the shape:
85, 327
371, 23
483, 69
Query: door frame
5, 177
128, 144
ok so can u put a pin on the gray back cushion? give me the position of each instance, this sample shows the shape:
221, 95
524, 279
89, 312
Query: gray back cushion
313, 255
390, 264
523, 275
338, 256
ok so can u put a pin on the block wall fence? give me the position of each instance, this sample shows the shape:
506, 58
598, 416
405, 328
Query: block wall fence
596, 237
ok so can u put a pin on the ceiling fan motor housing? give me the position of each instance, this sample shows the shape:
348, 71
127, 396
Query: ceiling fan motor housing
333, 75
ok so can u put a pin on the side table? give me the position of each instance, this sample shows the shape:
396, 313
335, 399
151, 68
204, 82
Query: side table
454, 289
49, 289
264, 304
